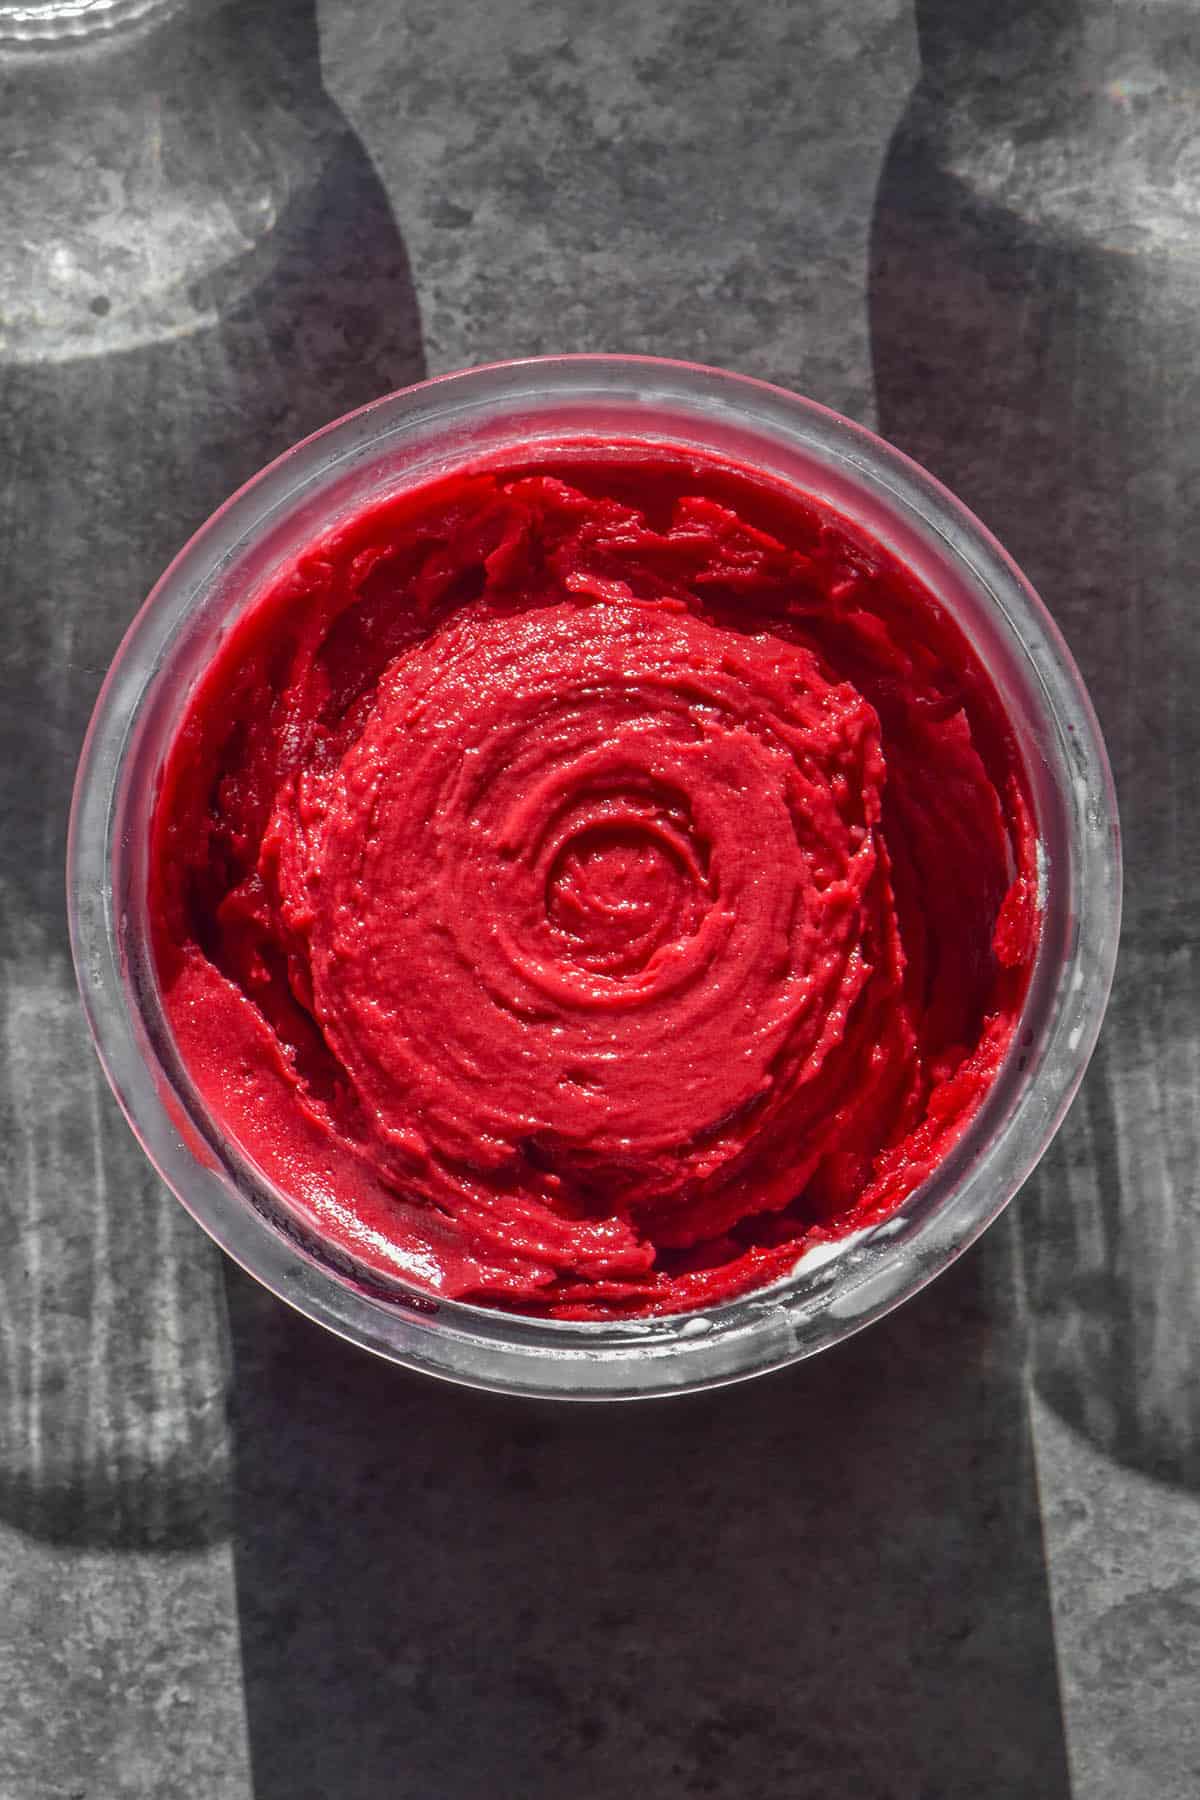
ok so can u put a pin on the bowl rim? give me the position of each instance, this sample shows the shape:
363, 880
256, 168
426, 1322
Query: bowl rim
763, 1330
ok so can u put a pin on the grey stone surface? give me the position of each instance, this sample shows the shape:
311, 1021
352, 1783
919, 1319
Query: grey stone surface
240, 1560
675, 178
120, 1674
1121, 1548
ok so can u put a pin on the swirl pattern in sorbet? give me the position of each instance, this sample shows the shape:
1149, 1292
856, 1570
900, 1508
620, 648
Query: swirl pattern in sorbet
581, 887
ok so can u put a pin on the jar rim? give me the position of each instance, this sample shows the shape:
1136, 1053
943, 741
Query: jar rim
874, 1270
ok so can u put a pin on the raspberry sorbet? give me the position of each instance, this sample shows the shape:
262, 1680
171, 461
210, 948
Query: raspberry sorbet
584, 884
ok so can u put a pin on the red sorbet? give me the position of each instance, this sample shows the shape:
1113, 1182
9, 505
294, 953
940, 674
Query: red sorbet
581, 886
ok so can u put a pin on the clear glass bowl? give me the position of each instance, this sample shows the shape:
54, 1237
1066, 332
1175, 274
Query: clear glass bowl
406, 438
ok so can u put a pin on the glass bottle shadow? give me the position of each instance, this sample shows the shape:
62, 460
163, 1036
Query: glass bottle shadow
828, 1583
243, 282
1035, 298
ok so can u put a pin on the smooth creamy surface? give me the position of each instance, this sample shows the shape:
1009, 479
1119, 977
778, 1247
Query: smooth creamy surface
583, 887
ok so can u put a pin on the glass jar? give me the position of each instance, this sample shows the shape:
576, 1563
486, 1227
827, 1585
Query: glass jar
429, 430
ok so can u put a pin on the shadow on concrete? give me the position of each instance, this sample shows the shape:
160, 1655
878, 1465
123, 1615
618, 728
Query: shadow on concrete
1035, 302
824, 1584
123, 423
827, 1584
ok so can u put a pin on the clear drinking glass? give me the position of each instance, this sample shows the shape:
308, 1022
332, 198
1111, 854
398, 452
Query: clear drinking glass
427, 430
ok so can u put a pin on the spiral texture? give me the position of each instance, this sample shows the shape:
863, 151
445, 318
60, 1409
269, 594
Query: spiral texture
582, 888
